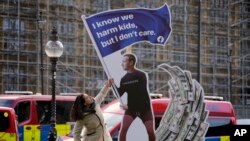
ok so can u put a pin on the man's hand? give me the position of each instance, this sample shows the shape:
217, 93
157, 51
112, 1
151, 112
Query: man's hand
123, 106
109, 83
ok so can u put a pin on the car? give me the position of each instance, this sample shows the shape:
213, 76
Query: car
221, 116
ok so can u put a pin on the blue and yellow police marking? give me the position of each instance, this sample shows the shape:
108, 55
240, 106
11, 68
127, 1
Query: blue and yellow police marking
63, 129
31, 132
219, 138
7, 136
41, 132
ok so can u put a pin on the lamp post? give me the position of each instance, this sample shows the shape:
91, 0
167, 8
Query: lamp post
53, 49
41, 22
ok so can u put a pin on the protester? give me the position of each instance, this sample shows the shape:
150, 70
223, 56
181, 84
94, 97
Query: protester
87, 113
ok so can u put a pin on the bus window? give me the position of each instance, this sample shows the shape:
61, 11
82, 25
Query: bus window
23, 111
4, 121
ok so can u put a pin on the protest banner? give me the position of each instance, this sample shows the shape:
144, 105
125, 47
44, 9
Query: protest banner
113, 31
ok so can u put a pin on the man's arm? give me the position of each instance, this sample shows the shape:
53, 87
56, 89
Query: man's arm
143, 82
120, 90
144, 87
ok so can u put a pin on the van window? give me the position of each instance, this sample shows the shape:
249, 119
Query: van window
22, 110
4, 121
62, 111
44, 111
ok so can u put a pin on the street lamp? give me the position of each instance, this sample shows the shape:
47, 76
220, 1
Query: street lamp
53, 49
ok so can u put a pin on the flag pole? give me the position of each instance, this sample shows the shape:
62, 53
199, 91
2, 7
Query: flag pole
115, 91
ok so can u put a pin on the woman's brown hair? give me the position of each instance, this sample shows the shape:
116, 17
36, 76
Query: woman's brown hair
77, 108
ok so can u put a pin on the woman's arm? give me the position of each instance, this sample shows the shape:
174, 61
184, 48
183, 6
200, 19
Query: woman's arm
103, 93
77, 130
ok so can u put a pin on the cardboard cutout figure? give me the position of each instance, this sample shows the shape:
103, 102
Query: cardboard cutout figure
135, 84
136, 129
